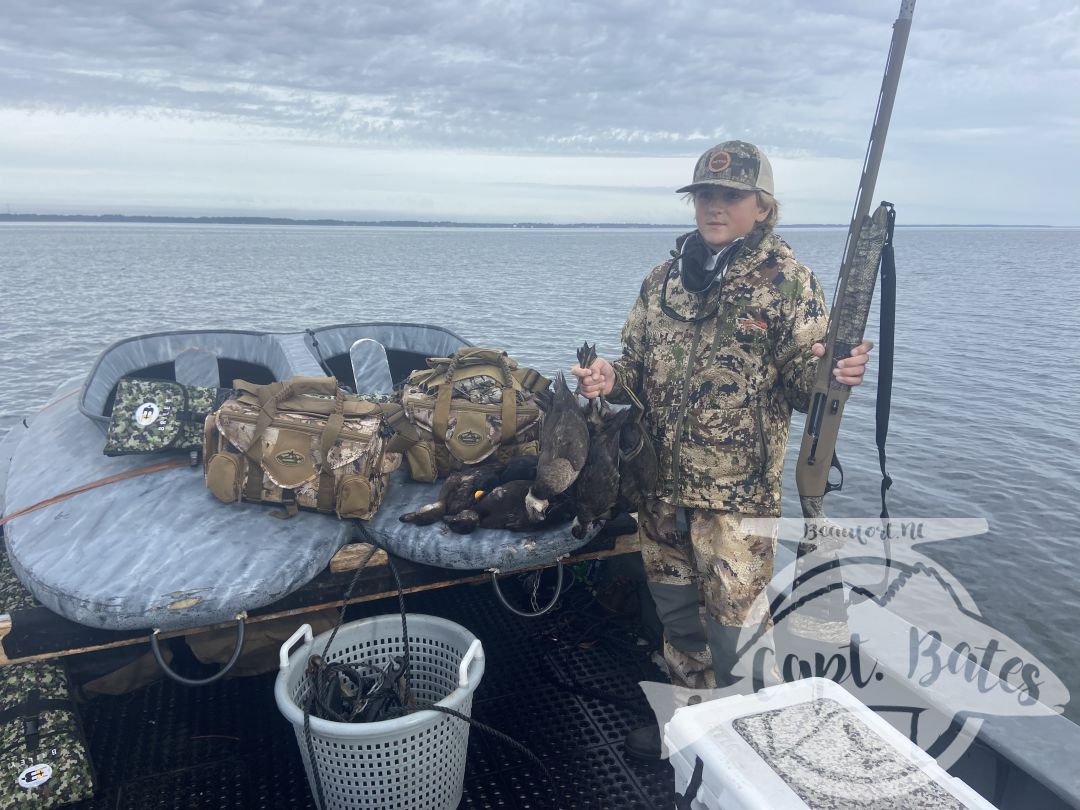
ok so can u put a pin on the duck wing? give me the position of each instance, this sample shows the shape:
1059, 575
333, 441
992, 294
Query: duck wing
522, 468
464, 522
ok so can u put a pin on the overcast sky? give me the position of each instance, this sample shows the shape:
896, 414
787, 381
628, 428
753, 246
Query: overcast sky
531, 111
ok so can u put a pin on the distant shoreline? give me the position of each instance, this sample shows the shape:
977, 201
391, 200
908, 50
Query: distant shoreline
409, 223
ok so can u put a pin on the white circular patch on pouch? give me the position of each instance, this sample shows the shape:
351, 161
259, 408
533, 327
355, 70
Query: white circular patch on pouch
146, 414
35, 775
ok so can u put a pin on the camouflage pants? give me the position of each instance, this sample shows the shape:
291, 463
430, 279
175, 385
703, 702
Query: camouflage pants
708, 578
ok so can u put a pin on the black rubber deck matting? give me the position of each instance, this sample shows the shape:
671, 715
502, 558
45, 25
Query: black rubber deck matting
564, 685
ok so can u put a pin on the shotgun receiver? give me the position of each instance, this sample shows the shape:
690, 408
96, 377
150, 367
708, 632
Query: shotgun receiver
852, 298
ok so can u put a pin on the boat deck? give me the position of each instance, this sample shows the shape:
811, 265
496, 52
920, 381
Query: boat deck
227, 746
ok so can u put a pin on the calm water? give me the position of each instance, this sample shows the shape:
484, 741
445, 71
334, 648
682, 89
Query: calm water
987, 369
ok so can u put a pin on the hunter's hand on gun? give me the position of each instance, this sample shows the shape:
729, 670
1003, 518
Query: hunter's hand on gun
596, 380
850, 370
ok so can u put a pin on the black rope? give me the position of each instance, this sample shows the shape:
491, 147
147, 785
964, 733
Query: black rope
320, 796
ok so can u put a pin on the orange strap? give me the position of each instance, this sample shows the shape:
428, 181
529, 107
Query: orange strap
112, 479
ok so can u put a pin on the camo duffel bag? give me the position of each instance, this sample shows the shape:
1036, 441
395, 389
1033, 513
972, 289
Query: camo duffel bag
149, 416
470, 407
303, 444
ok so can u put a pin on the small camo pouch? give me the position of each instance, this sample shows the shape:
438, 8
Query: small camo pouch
150, 416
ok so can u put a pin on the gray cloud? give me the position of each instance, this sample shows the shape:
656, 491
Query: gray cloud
591, 77
987, 111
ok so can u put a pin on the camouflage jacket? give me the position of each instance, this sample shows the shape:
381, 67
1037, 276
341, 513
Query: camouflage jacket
719, 372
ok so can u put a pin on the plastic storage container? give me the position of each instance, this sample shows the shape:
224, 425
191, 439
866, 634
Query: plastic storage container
405, 763
805, 744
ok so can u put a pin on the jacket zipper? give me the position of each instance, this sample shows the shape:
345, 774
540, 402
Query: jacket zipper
676, 445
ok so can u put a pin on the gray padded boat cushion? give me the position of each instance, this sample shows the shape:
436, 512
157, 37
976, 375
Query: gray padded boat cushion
153, 551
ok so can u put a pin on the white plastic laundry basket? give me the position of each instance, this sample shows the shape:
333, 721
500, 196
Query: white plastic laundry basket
414, 762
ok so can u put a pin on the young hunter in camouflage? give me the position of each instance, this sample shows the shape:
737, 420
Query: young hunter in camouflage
719, 347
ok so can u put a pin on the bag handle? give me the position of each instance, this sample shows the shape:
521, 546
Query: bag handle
272, 394
330, 433
440, 419
286, 388
316, 405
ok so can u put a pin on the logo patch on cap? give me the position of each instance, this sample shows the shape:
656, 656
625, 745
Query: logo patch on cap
719, 161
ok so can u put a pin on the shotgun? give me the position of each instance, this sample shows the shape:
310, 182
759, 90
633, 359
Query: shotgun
852, 297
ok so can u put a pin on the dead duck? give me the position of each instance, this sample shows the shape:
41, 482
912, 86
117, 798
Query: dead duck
638, 465
597, 488
564, 446
458, 492
504, 508
522, 468
495, 506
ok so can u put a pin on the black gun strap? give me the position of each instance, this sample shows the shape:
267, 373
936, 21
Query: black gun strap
886, 350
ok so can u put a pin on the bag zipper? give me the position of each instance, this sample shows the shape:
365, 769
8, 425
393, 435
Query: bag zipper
528, 409
354, 433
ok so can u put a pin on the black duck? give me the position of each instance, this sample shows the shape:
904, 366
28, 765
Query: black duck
504, 508
458, 492
597, 486
637, 464
564, 446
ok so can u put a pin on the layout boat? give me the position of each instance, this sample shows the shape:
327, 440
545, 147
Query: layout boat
158, 550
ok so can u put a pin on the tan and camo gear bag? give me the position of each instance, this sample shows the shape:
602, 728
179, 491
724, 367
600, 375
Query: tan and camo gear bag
303, 444
470, 407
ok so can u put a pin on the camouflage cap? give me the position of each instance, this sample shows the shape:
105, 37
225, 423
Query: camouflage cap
735, 164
